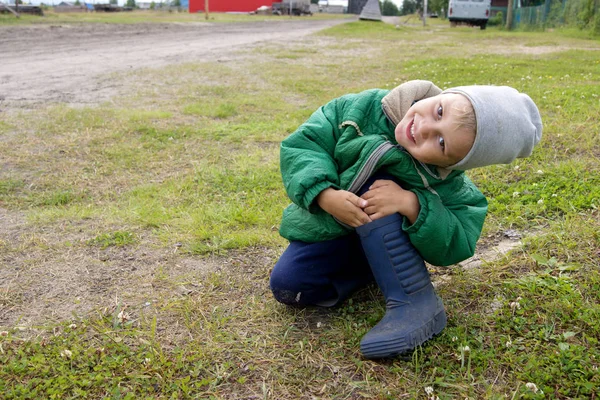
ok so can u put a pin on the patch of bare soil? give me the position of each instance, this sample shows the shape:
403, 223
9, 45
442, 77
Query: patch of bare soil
41, 283
491, 253
73, 63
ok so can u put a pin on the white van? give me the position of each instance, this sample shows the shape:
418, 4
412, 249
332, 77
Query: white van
470, 12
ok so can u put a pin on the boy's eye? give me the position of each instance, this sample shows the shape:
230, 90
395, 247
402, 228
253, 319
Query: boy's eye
440, 111
442, 143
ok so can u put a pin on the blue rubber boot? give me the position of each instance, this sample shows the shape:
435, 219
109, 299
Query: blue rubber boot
414, 312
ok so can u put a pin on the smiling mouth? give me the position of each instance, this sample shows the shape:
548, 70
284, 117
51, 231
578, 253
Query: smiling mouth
410, 131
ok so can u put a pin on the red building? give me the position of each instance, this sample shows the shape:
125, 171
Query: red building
230, 5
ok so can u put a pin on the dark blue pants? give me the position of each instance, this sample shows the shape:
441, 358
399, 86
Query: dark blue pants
322, 273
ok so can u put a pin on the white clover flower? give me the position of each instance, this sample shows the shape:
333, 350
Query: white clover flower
539, 172
541, 201
319, 324
554, 195
515, 305
517, 167
429, 390
466, 349
516, 194
73, 326
532, 386
66, 354
454, 338
508, 343
123, 316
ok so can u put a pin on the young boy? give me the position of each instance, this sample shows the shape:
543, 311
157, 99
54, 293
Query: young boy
378, 185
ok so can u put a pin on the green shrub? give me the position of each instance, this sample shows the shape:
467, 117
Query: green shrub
496, 20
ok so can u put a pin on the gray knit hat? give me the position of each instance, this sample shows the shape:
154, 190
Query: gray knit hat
509, 125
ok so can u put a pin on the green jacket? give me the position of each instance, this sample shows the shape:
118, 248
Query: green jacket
340, 146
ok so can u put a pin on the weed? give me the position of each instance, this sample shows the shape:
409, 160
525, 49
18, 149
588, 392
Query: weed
9, 186
117, 238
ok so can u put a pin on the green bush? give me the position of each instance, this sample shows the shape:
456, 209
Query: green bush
496, 20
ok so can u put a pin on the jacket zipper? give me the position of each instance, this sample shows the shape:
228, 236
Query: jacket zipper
366, 171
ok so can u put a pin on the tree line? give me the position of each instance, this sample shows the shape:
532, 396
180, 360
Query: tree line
388, 8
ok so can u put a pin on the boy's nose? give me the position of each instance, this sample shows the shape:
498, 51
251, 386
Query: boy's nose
425, 128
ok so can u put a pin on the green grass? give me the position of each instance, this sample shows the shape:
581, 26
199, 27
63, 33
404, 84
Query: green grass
117, 238
191, 164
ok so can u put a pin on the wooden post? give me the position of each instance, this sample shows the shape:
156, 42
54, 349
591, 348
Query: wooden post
206, 9
509, 15
12, 11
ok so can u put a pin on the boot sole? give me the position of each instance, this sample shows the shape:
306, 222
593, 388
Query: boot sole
406, 343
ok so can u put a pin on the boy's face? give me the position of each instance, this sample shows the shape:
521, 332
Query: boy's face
430, 131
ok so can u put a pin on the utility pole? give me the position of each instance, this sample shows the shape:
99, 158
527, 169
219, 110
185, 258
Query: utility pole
509, 15
206, 9
424, 12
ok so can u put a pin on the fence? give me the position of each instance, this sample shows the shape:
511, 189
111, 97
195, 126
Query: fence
584, 14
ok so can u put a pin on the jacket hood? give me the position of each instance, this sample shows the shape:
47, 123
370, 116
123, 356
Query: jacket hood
397, 102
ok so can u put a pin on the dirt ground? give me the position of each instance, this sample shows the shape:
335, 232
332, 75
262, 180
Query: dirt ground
73, 64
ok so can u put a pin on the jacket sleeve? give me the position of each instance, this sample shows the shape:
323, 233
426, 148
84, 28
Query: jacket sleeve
446, 230
307, 156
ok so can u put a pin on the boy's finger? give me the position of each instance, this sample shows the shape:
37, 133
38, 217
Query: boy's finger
370, 210
357, 201
379, 183
364, 219
376, 215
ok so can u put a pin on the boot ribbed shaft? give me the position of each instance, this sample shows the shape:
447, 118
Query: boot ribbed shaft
406, 261
414, 313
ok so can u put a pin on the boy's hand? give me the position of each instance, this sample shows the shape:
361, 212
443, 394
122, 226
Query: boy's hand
345, 206
386, 198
